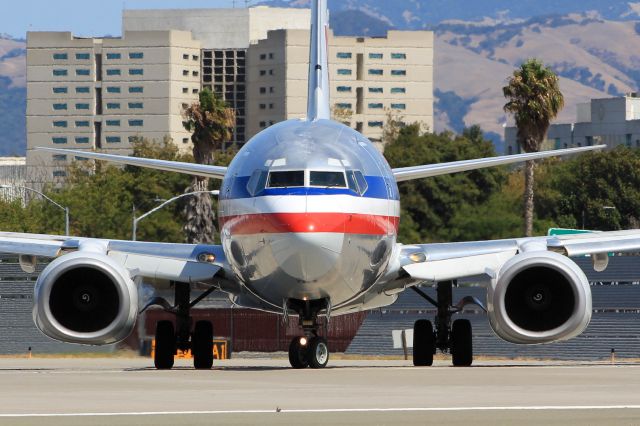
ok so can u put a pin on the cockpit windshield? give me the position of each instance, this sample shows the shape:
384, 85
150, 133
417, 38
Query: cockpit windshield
285, 179
327, 179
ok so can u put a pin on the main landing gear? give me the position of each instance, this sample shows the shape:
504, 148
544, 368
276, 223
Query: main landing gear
310, 350
453, 337
169, 338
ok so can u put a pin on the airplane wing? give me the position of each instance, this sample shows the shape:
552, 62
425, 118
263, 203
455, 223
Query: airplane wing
430, 170
190, 263
216, 172
448, 261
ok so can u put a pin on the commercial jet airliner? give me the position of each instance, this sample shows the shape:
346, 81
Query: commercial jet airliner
309, 214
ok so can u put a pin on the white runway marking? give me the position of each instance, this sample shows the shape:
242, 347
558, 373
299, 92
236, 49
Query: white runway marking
335, 410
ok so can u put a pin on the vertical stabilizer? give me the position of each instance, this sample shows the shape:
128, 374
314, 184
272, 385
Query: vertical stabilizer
318, 97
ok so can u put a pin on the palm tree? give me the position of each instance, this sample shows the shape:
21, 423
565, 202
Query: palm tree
534, 98
211, 122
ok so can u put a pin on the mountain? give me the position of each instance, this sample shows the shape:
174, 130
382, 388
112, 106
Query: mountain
13, 95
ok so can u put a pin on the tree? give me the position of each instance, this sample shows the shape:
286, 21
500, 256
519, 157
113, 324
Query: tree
534, 98
211, 122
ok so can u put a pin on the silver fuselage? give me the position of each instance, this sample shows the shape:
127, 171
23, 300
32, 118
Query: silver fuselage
309, 240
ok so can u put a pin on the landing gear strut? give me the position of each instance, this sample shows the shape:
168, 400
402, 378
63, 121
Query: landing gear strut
310, 350
169, 338
453, 337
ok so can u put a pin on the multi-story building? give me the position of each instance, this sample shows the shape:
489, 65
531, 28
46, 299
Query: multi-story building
611, 121
225, 34
370, 76
87, 93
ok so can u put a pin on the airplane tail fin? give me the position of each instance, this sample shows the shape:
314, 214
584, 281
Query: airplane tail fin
318, 96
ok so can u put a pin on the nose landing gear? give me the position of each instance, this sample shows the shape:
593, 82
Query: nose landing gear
310, 350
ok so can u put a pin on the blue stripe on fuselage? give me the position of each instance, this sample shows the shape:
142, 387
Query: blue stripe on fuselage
376, 189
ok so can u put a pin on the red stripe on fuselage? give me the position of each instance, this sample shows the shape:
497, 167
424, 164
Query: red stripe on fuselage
277, 223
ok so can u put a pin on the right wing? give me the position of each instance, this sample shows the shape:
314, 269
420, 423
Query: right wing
216, 172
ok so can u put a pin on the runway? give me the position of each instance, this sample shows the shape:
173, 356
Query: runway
129, 391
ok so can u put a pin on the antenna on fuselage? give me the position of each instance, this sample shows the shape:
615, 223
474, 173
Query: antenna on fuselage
318, 96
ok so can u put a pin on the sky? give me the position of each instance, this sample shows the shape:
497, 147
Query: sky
85, 17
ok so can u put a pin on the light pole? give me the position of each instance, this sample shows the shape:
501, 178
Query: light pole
65, 209
155, 209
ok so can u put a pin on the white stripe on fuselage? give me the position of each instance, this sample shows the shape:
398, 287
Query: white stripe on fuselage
314, 203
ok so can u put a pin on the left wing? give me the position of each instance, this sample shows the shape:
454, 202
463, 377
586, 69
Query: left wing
430, 170
447, 261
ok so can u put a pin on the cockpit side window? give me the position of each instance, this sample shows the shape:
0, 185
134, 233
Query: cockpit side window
257, 181
286, 179
327, 179
351, 181
362, 182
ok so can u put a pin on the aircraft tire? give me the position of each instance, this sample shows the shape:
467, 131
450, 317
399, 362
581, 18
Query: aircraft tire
165, 345
461, 343
318, 352
297, 354
424, 343
202, 345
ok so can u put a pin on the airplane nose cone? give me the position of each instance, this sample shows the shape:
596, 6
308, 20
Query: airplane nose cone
307, 256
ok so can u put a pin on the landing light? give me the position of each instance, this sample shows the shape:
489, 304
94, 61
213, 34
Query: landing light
417, 257
303, 341
206, 257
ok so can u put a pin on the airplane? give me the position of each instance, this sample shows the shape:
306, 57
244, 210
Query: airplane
309, 213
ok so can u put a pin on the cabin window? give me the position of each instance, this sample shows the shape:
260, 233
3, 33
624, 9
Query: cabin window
327, 179
362, 182
286, 178
257, 181
351, 181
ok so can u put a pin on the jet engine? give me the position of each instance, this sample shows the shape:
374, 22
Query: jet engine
85, 297
539, 297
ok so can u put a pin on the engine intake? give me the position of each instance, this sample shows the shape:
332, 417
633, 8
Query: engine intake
85, 297
539, 297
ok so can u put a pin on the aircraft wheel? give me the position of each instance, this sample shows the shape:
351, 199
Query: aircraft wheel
423, 343
461, 343
298, 353
318, 352
202, 345
165, 345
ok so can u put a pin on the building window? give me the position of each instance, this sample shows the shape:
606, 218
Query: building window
375, 123
185, 140
112, 139
59, 139
343, 88
375, 106
82, 89
398, 106
82, 71
59, 72
136, 55
344, 71
375, 89
398, 90
59, 157
82, 106
60, 90
59, 107
113, 122
114, 56
136, 123
270, 106
398, 72
82, 139
185, 56
263, 124
195, 73
59, 124
113, 72
82, 123
263, 72
263, 90
59, 173
83, 56
136, 89
136, 105
375, 55
343, 106
185, 90
270, 55
271, 90
185, 73
113, 105
344, 55
195, 91
136, 71
263, 106
60, 56
195, 57
398, 56
375, 72
113, 89
263, 56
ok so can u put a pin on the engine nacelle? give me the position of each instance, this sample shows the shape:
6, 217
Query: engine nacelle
85, 297
539, 297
